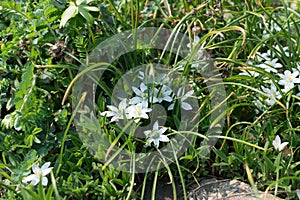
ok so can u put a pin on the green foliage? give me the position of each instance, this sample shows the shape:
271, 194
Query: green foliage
43, 44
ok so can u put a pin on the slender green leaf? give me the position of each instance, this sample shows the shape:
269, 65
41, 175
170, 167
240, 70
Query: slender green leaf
85, 14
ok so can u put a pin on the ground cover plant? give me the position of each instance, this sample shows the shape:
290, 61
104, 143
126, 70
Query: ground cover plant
50, 54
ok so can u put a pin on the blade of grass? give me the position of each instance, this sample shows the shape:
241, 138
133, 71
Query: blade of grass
180, 173
66, 131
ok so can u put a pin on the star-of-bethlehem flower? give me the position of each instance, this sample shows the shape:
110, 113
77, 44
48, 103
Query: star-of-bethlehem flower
278, 145
156, 135
288, 80
142, 95
137, 112
272, 93
270, 65
116, 112
263, 56
182, 97
38, 174
163, 94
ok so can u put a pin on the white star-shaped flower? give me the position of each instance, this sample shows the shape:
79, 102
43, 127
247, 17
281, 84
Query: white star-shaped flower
272, 93
137, 112
164, 94
156, 135
283, 50
297, 67
116, 112
263, 56
38, 174
182, 97
270, 65
278, 145
142, 95
288, 80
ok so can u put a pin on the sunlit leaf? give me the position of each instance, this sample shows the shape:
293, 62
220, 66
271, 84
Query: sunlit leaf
91, 8
70, 12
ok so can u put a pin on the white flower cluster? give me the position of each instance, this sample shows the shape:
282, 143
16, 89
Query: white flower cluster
139, 106
286, 79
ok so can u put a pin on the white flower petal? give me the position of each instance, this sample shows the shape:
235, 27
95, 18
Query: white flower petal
278, 65
283, 145
164, 138
145, 104
270, 102
144, 115
46, 171
45, 166
296, 80
141, 75
135, 100
278, 145
189, 93
123, 104
35, 181
162, 130
114, 119
186, 106
44, 181
143, 87
137, 120
167, 99
277, 140
266, 90
156, 143
105, 113
171, 107
147, 133
295, 73
155, 126
29, 178
137, 91
35, 168
153, 99
113, 108
150, 140
281, 82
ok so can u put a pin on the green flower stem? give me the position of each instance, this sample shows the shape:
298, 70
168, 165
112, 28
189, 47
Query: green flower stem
277, 172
